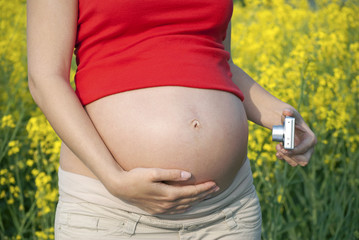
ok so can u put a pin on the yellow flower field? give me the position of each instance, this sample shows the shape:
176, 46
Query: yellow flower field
305, 54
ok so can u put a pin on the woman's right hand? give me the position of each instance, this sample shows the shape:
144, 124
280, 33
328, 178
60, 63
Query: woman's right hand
146, 189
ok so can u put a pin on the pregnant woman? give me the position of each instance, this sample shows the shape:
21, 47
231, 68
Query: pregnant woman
155, 135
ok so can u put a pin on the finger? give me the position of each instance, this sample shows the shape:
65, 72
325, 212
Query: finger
169, 207
160, 175
304, 146
289, 160
174, 193
287, 112
177, 212
279, 148
193, 193
198, 198
179, 209
301, 159
284, 157
307, 144
291, 113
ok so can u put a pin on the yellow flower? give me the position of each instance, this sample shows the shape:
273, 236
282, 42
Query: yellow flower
10, 201
11, 180
259, 162
14, 147
30, 162
46, 195
34, 172
41, 235
7, 121
14, 190
2, 181
2, 194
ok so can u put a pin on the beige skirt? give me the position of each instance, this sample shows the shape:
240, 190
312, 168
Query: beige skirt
86, 210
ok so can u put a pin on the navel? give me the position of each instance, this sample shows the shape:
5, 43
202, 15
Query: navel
196, 124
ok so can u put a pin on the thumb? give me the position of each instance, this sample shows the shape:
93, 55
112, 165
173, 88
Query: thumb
287, 113
159, 175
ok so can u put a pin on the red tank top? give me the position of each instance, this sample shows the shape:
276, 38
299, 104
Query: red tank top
130, 44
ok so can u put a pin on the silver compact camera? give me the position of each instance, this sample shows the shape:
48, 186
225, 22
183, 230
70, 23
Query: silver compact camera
285, 133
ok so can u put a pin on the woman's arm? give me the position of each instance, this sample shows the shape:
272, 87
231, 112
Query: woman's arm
266, 110
51, 35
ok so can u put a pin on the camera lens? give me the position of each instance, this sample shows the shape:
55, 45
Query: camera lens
278, 133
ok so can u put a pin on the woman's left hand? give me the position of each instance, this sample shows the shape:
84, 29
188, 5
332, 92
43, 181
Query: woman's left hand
304, 142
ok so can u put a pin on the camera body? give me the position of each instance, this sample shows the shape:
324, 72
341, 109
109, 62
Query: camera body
285, 133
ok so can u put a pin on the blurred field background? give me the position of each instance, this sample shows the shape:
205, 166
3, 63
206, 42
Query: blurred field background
304, 52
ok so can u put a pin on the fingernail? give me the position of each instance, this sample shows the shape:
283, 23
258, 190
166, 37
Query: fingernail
289, 110
216, 189
185, 175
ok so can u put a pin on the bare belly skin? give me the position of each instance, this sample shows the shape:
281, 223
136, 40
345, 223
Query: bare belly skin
201, 131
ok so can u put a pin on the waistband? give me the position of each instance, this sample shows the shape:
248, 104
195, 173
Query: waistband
76, 188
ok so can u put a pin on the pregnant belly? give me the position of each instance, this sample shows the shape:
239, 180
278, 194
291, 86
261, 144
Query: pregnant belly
198, 130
